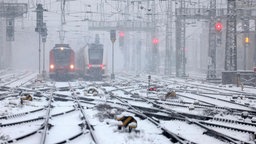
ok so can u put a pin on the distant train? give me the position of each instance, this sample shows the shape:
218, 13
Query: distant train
92, 61
62, 62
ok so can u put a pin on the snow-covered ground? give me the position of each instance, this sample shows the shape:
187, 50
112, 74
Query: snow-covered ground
111, 100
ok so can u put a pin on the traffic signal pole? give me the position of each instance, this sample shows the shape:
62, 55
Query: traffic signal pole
39, 52
42, 33
113, 39
44, 71
39, 26
112, 74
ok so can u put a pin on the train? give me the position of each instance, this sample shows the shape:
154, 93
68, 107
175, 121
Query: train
92, 61
62, 62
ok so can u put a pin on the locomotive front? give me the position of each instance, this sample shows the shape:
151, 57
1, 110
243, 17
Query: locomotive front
62, 62
96, 67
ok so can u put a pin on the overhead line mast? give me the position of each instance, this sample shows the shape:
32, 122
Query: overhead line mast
180, 41
168, 39
63, 20
231, 41
211, 73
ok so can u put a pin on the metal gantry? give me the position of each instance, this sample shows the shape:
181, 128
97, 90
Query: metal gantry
196, 14
231, 14
127, 25
231, 41
211, 73
180, 41
168, 40
10, 11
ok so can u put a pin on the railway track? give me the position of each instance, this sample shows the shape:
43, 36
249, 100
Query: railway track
19, 80
80, 100
205, 99
176, 138
86, 123
17, 121
251, 132
169, 118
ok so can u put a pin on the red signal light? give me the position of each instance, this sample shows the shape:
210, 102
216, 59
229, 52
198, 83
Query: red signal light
102, 66
121, 34
89, 66
218, 26
155, 41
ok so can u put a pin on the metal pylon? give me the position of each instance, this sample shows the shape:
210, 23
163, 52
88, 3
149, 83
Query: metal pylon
2, 50
63, 21
211, 73
154, 54
246, 29
180, 42
168, 47
126, 47
231, 44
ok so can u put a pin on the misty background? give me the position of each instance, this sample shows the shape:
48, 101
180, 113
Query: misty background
24, 49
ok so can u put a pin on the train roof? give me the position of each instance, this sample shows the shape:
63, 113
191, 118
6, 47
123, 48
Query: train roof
95, 46
62, 45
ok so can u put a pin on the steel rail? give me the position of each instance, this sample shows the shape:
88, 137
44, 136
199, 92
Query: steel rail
86, 120
46, 123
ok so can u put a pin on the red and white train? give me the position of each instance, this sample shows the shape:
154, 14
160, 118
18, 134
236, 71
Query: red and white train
62, 62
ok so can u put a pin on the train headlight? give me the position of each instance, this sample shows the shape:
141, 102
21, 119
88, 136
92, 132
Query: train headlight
51, 66
72, 66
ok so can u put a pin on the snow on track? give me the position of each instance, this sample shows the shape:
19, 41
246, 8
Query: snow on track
64, 127
216, 102
108, 134
29, 76
20, 130
190, 131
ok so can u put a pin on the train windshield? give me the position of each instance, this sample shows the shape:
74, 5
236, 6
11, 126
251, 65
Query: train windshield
62, 57
95, 56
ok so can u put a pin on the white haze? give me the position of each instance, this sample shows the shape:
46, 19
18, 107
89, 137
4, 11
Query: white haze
26, 46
